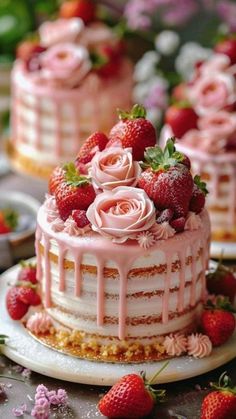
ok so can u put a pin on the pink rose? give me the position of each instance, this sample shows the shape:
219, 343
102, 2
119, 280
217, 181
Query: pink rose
65, 64
212, 93
96, 35
114, 167
204, 141
61, 30
121, 213
222, 124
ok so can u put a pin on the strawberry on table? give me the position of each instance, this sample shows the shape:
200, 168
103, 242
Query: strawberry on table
8, 220
220, 403
218, 321
131, 397
133, 130
181, 117
200, 191
166, 180
74, 192
27, 272
222, 281
95, 142
85, 9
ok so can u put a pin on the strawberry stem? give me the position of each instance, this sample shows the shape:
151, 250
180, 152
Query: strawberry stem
73, 177
158, 373
25, 264
224, 384
137, 111
200, 184
159, 159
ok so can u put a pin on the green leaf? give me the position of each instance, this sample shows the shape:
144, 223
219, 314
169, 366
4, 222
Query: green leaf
73, 177
159, 159
11, 217
137, 111
200, 184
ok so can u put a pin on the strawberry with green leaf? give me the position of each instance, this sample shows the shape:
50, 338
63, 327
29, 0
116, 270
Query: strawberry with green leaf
221, 280
27, 272
167, 180
74, 192
181, 117
131, 397
220, 403
8, 220
198, 198
133, 130
218, 321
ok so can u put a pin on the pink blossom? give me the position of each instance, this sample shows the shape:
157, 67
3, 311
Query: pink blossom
221, 124
19, 411
227, 11
41, 409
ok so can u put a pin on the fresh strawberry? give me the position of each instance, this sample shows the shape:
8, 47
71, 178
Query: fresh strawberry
75, 192
8, 220
107, 60
28, 295
227, 47
220, 403
133, 130
29, 52
165, 215
186, 162
179, 92
178, 224
218, 321
27, 272
131, 397
80, 218
222, 281
166, 181
95, 142
15, 307
57, 177
181, 118
200, 191
85, 9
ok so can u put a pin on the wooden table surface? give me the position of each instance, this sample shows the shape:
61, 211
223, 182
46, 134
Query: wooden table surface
184, 398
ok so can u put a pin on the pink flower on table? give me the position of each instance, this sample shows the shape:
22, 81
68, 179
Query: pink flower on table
122, 213
65, 64
114, 167
222, 124
211, 93
203, 141
60, 30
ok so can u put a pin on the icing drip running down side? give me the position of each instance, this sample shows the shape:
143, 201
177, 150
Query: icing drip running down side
123, 256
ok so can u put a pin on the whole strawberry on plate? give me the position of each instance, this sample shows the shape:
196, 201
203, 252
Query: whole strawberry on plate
27, 272
167, 179
131, 397
20, 297
220, 403
133, 130
181, 117
8, 220
73, 191
218, 321
221, 280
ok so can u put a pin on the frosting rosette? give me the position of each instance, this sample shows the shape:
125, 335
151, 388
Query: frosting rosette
199, 345
65, 64
114, 167
121, 213
60, 30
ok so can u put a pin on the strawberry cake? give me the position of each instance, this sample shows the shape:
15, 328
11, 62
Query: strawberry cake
203, 119
65, 85
122, 248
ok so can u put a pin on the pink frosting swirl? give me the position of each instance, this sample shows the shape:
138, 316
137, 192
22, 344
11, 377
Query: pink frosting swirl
51, 208
120, 214
114, 167
213, 92
71, 228
175, 344
65, 64
193, 221
146, 239
57, 225
39, 323
199, 345
221, 124
162, 231
204, 141
60, 30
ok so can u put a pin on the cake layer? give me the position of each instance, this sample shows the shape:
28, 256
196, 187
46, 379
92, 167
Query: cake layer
122, 291
50, 124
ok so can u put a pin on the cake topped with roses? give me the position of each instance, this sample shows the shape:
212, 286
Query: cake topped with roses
67, 82
126, 187
203, 118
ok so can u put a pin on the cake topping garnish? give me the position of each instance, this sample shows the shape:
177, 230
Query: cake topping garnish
60, 30
162, 231
200, 191
39, 323
193, 221
57, 224
175, 344
133, 130
146, 239
95, 142
199, 345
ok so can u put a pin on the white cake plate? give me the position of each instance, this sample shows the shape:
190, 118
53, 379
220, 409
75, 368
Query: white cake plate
28, 352
228, 249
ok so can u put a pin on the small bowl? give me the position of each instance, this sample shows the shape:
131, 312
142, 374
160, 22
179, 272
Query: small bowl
20, 243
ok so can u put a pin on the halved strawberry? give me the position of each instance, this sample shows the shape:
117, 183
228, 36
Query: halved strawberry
133, 130
166, 180
74, 192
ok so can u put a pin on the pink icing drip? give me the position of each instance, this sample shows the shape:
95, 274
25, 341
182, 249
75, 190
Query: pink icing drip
47, 271
182, 258
100, 292
122, 302
204, 256
38, 236
165, 307
61, 256
194, 275
77, 276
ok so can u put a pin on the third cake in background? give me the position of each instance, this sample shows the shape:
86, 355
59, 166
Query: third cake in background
203, 119
66, 85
